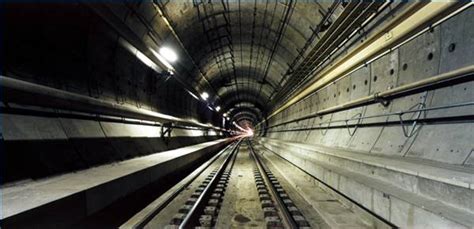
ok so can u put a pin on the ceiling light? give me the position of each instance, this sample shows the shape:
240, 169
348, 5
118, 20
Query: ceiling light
225, 115
218, 108
227, 118
168, 54
193, 95
204, 95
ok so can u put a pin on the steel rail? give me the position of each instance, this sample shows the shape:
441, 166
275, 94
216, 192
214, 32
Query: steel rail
362, 207
143, 221
193, 215
288, 220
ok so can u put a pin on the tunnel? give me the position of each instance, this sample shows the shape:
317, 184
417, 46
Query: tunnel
237, 114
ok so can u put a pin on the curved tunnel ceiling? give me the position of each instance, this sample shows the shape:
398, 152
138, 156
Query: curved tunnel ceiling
243, 49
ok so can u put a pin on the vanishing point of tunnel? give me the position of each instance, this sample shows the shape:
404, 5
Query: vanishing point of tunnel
237, 114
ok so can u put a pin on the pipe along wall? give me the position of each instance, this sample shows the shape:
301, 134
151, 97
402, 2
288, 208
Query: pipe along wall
62, 136
409, 159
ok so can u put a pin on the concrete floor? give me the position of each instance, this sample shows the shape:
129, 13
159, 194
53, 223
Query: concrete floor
318, 205
241, 206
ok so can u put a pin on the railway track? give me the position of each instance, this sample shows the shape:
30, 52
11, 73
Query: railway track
202, 207
242, 187
197, 201
279, 210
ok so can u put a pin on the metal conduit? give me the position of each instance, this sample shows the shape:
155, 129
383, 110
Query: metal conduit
465, 73
20, 91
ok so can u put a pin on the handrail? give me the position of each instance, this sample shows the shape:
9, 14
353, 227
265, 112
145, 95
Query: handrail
23, 92
425, 84
397, 114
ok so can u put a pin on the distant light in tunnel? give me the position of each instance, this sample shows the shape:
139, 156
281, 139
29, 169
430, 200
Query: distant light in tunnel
205, 95
168, 54
218, 108
249, 132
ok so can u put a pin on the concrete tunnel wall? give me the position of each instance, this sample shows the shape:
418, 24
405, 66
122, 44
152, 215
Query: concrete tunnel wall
410, 180
46, 146
81, 53
406, 180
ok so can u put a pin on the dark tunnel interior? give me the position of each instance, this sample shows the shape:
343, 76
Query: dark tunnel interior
348, 113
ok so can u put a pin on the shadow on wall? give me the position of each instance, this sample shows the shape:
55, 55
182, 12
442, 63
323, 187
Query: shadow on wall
34, 147
71, 48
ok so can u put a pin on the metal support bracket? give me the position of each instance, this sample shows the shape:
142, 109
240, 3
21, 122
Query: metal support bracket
385, 102
414, 126
165, 131
359, 116
324, 130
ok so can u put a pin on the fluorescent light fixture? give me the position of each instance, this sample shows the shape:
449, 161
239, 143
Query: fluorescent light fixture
218, 108
205, 95
162, 60
193, 95
168, 54
147, 61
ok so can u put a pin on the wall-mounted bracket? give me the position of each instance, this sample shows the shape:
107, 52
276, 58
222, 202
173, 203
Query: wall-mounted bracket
414, 126
166, 74
165, 131
385, 102
359, 119
324, 130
